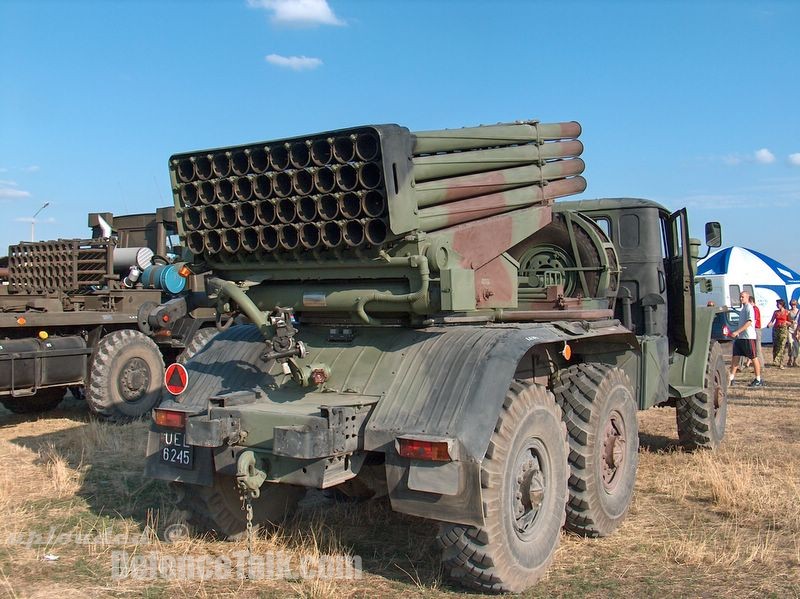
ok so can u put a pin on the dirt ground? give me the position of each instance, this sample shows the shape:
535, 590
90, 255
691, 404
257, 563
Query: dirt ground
721, 524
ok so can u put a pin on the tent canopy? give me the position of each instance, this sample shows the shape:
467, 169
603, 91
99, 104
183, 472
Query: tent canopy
748, 264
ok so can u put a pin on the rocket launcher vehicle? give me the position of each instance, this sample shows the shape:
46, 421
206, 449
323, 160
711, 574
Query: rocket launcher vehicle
376, 218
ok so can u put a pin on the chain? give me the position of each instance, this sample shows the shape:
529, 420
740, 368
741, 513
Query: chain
247, 506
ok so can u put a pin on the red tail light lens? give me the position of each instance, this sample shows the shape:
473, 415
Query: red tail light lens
435, 451
169, 418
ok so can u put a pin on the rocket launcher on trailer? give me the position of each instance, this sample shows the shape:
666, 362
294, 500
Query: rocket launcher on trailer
422, 320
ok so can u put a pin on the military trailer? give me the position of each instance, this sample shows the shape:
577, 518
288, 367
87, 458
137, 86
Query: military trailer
427, 323
98, 316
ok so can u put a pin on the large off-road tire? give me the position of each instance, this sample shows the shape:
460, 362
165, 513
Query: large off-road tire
218, 509
196, 343
524, 479
125, 376
44, 400
701, 418
601, 415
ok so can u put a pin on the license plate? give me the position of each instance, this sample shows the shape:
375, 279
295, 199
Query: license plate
175, 451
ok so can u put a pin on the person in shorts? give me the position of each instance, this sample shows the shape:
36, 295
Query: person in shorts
744, 340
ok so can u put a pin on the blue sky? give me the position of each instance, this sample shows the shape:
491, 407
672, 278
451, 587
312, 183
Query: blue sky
688, 103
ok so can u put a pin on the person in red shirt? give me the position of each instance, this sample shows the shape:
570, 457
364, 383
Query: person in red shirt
780, 333
757, 324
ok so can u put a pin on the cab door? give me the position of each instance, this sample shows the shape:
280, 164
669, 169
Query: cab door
680, 283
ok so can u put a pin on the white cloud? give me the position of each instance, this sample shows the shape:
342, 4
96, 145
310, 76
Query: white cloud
11, 183
13, 194
764, 156
794, 159
296, 63
298, 12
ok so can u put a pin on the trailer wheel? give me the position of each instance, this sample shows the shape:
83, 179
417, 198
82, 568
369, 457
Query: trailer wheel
524, 480
44, 400
218, 509
701, 418
125, 376
196, 343
601, 416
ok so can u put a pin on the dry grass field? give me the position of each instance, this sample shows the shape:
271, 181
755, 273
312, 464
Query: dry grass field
724, 524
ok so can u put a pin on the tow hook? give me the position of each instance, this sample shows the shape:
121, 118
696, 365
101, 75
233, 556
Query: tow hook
249, 477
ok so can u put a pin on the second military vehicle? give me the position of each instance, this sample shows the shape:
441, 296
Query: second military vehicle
426, 322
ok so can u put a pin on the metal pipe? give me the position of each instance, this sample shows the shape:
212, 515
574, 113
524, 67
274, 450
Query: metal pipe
250, 239
321, 151
303, 181
299, 154
228, 290
328, 206
279, 157
212, 242
549, 315
373, 203
188, 194
420, 262
240, 162
221, 164
209, 217
439, 166
369, 175
259, 159
231, 241
202, 166
265, 212
487, 136
184, 169
451, 189
376, 231
287, 210
347, 177
192, 219
268, 238
344, 149
367, 146
353, 233
307, 209
227, 215
246, 214
243, 188
262, 187
223, 190
325, 179
282, 184
288, 237
310, 235
195, 242
205, 192
331, 234
453, 213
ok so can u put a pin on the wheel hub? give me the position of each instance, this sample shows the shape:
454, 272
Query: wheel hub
613, 450
134, 379
544, 258
529, 490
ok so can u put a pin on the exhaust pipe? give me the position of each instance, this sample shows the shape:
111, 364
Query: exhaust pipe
188, 194
288, 237
223, 190
231, 242
240, 162
282, 184
213, 242
259, 159
206, 192
349, 205
327, 206
265, 212
250, 239
310, 235
202, 166
302, 182
299, 154
227, 215
221, 164
246, 214
307, 209
325, 180
268, 238
243, 188
321, 151
287, 211
331, 234
209, 217
369, 175
375, 231
347, 177
262, 186
373, 203
367, 147
344, 149
195, 242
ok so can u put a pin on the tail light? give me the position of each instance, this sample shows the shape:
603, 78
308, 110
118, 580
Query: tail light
169, 418
418, 449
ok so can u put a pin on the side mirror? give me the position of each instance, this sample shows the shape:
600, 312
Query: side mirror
713, 234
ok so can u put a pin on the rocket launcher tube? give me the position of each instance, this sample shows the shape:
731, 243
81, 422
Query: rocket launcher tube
471, 138
455, 164
451, 189
454, 213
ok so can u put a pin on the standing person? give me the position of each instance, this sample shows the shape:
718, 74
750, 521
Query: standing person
780, 332
757, 323
794, 313
744, 340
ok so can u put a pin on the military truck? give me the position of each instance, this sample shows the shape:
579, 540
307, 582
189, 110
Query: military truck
425, 321
98, 316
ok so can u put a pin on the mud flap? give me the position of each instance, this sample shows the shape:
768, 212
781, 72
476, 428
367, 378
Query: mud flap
201, 473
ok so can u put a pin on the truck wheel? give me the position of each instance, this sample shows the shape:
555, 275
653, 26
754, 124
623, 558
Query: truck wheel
196, 343
218, 509
601, 416
44, 400
701, 418
524, 480
125, 376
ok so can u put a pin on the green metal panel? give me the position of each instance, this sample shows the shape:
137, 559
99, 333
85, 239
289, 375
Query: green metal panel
687, 373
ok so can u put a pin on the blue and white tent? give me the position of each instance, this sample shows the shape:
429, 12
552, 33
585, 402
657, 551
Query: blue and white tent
736, 269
